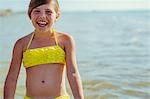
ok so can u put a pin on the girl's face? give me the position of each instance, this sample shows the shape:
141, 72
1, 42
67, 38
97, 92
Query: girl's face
43, 17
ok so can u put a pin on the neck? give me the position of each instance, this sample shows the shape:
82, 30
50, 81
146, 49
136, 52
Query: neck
41, 34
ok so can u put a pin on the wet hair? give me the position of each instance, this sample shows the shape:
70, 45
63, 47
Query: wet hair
35, 3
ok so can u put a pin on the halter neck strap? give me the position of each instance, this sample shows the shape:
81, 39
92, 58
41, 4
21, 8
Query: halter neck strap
30, 40
54, 33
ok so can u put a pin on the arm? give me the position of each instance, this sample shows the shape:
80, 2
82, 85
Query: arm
72, 69
12, 76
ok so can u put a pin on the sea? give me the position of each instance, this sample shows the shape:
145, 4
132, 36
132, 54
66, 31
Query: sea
112, 48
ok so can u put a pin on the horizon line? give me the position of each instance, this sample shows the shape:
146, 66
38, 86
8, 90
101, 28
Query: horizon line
92, 10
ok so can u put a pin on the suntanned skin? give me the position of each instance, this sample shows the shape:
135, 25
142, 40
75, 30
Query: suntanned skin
48, 80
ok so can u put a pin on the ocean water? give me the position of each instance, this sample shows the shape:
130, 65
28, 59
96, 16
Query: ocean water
113, 51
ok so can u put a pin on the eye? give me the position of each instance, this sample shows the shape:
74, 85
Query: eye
48, 12
36, 11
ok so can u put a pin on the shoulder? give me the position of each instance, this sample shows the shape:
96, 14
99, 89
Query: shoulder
22, 42
67, 41
66, 38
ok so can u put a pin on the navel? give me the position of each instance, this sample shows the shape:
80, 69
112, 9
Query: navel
43, 81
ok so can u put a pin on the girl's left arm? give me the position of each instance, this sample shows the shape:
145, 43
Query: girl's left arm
72, 69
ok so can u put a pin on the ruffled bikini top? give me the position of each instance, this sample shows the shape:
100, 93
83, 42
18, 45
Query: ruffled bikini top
44, 55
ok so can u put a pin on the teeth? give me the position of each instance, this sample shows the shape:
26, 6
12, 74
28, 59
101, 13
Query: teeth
42, 22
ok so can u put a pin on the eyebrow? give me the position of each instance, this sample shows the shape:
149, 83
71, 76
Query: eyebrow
36, 8
49, 10
45, 9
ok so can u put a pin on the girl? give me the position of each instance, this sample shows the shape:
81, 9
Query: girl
46, 55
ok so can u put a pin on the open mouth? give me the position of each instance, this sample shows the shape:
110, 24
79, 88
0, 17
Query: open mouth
42, 23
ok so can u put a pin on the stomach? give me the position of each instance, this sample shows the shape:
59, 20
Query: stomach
45, 80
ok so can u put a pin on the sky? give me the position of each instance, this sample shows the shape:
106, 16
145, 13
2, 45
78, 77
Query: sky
83, 5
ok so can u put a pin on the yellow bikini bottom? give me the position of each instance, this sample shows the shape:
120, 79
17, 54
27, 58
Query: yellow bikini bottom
59, 97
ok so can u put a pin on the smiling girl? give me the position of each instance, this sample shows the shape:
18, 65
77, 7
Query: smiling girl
47, 56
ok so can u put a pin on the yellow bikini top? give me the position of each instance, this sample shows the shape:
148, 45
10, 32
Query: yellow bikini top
43, 55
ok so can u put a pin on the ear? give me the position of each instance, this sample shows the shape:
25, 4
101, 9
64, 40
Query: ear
57, 16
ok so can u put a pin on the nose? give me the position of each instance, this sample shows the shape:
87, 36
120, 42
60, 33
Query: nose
42, 15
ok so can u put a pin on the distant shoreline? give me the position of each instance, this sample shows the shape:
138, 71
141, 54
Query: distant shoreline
7, 12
